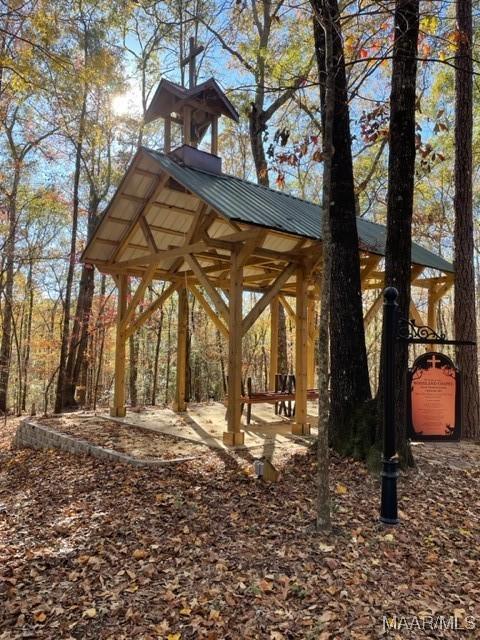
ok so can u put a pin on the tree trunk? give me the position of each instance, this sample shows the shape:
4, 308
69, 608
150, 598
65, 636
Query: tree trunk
79, 338
133, 369
28, 336
9, 249
65, 340
401, 176
350, 384
156, 359
464, 309
325, 22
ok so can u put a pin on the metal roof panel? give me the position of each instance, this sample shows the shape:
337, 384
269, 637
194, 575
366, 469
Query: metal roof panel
251, 203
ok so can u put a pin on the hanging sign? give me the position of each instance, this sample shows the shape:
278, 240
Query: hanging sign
434, 399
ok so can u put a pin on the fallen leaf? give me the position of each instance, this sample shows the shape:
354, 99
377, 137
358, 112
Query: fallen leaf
40, 616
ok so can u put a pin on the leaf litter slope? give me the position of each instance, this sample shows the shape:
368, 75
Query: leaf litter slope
203, 550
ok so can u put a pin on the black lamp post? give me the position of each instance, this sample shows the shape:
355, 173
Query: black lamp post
388, 510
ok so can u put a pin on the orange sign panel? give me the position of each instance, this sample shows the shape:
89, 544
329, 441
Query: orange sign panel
434, 401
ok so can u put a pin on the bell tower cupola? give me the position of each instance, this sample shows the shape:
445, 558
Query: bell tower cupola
195, 110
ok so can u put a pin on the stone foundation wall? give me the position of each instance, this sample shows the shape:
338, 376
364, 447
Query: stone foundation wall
36, 436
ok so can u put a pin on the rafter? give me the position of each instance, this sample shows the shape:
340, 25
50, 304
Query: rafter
156, 188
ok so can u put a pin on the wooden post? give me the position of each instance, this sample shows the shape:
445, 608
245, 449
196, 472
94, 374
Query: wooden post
182, 336
187, 125
167, 135
274, 313
234, 436
311, 384
118, 409
214, 135
301, 426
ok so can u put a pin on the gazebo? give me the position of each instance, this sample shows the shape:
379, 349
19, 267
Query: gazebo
176, 217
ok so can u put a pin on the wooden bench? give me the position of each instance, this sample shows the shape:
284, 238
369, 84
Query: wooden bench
282, 397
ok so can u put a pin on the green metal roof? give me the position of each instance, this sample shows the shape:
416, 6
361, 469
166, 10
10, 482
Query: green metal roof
247, 202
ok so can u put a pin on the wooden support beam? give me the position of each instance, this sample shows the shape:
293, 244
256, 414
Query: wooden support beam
147, 234
250, 246
187, 125
198, 228
167, 134
311, 353
370, 266
441, 291
301, 425
138, 295
267, 297
211, 313
415, 314
118, 409
160, 256
214, 135
369, 316
182, 337
288, 308
210, 289
274, 317
145, 315
234, 436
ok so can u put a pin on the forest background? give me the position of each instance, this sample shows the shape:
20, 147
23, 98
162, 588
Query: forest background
75, 79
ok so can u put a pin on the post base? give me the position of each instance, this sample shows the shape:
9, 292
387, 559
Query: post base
233, 438
179, 408
388, 507
118, 412
301, 429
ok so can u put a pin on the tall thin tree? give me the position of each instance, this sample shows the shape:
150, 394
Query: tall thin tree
464, 310
401, 176
350, 385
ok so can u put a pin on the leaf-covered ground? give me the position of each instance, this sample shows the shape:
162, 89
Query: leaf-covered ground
123, 438
203, 550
